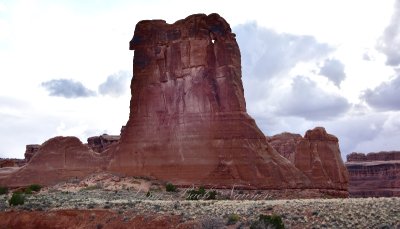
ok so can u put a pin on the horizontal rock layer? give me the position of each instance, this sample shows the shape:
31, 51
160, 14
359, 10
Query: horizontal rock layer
374, 174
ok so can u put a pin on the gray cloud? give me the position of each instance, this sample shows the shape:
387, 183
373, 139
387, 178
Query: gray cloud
67, 88
266, 53
389, 43
267, 58
384, 97
306, 100
334, 70
116, 84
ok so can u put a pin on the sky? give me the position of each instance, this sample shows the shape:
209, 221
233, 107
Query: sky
65, 66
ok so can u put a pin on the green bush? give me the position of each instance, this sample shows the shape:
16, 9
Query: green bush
28, 191
201, 193
233, 219
17, 199
268, 221
35, 187
3, 190
170, 187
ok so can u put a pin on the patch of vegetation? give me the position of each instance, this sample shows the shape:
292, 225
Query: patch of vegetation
28, 191
35, 187
233, 219
170, 187
3, 190
17, 199
268, 221
201, 193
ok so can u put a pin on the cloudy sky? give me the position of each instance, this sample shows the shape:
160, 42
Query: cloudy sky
65, 66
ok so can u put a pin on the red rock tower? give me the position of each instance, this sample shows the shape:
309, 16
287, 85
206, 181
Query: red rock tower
188, 122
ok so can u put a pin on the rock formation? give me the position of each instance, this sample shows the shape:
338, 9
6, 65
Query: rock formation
380, 156
7, 162
285, 143
102, 142
58, 159
317, 155
374, 174
30, 151
188, 121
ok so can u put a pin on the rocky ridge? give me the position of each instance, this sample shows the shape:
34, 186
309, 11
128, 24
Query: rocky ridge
374, 174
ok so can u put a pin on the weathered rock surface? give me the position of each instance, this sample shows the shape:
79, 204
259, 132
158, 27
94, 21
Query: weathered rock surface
285, 143
188, 121
30, 151
379, 156
102, 142
374, 174
8, 162
58, 159
317, 155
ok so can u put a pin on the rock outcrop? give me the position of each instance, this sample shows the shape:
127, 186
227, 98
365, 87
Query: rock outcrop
317, 155
374, 174
379, 156
102, 142
58, 159
10, 162
30, 151
188, 121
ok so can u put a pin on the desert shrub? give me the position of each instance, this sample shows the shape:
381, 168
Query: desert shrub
170, 187
201, 193
17, 199
233, 219
35, 187
3, 190
268, 221
28, 191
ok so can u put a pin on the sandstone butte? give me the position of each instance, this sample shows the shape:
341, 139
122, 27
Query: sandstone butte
188, 122
374, 174
317, 155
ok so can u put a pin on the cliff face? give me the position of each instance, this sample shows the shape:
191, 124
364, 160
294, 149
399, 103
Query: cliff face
374, 174
188, 121
317, 155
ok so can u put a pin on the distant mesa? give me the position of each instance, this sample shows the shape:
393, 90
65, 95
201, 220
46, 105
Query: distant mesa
374, 174
188, 123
